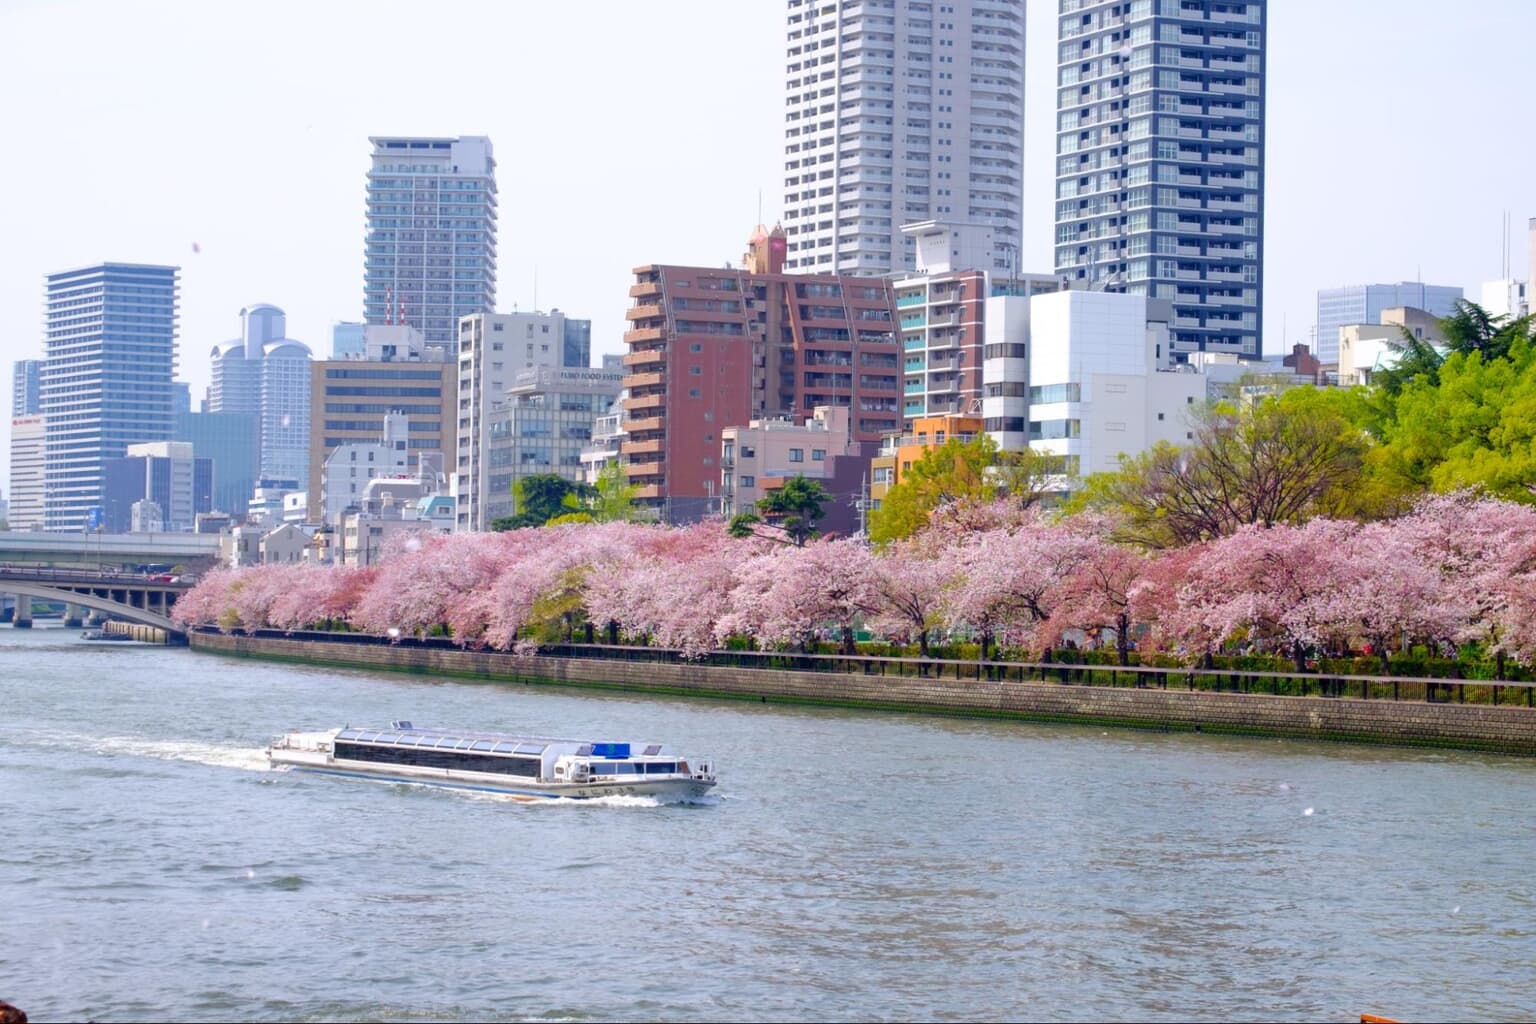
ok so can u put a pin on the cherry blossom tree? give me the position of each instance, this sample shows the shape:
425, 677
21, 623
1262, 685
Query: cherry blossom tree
318, 594
912, 579
670, 585
1275, 584
786, 596
206, 601
1096, 594
443, 576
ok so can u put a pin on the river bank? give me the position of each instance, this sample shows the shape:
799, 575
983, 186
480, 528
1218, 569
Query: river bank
1505, 729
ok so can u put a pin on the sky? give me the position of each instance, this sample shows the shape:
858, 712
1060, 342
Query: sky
630, 133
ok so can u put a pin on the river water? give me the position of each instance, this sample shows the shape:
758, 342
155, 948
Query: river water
852, 865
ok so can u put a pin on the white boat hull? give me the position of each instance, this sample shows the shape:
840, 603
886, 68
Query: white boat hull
322, 763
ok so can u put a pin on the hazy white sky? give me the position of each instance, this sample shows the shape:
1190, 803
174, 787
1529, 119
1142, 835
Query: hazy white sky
630, 133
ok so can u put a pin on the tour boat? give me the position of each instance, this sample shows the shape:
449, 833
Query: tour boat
523, 767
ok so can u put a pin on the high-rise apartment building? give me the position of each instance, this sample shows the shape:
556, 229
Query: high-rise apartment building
266, 374
107, 380
1160, 160
900, 111
430, 254
713, 347
28, 376
1364, 303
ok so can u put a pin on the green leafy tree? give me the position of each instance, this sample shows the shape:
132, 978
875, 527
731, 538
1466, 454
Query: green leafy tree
793, 510
1473, 426
1284, 459
1030, 477
1469, 330
957, 470
538, 498
612, 499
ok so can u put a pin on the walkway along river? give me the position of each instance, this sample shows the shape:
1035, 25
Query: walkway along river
1141, 698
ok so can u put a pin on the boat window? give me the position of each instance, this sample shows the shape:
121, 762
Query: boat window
660, 768
505, 748
529, 748
653, 750
584, 750
483, 744
527, 767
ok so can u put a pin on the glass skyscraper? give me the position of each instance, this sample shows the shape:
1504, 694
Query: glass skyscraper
107, 379
1363, 303
24, 387
1160, 160
430, 252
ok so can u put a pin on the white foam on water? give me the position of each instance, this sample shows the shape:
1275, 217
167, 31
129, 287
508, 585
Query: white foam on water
244, 758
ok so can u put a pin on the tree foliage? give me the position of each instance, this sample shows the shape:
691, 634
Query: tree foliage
1285, 459
790, 511
955, 471
540, 497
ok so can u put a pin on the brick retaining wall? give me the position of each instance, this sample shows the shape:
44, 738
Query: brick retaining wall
1471, 726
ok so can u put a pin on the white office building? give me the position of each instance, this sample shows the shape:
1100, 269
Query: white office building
1102, 380
900, 111
28, 440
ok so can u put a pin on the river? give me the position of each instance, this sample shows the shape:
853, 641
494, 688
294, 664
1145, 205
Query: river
852, 865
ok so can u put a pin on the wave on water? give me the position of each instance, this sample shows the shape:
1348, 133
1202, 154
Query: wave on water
244, 758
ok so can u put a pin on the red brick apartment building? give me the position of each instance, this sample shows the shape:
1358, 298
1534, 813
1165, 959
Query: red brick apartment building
713, 347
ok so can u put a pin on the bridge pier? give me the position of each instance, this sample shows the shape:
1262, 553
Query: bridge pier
73, 616
23, 617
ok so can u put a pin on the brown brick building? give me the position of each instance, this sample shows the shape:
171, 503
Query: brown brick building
713, 347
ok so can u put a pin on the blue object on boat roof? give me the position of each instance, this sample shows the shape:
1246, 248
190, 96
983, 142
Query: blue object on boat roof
610, 750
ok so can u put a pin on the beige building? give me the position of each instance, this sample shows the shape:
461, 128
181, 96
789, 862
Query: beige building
350, 398
758, 458
1366, 348
26, 473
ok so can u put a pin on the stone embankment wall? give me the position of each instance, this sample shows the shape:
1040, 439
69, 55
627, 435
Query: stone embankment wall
1469, 726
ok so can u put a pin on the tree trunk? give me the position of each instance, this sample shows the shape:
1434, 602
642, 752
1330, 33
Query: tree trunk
1123, 639
590, 631
1300, 655
922, 643
849, 646
613, 634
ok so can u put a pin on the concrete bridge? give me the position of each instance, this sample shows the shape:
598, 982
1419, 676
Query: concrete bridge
118, 595
195, 552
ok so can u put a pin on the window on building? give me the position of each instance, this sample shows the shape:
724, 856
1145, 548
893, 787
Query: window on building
797, 455
748, 452
818, 454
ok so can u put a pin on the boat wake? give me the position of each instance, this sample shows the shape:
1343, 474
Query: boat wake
709, 800
243, 758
